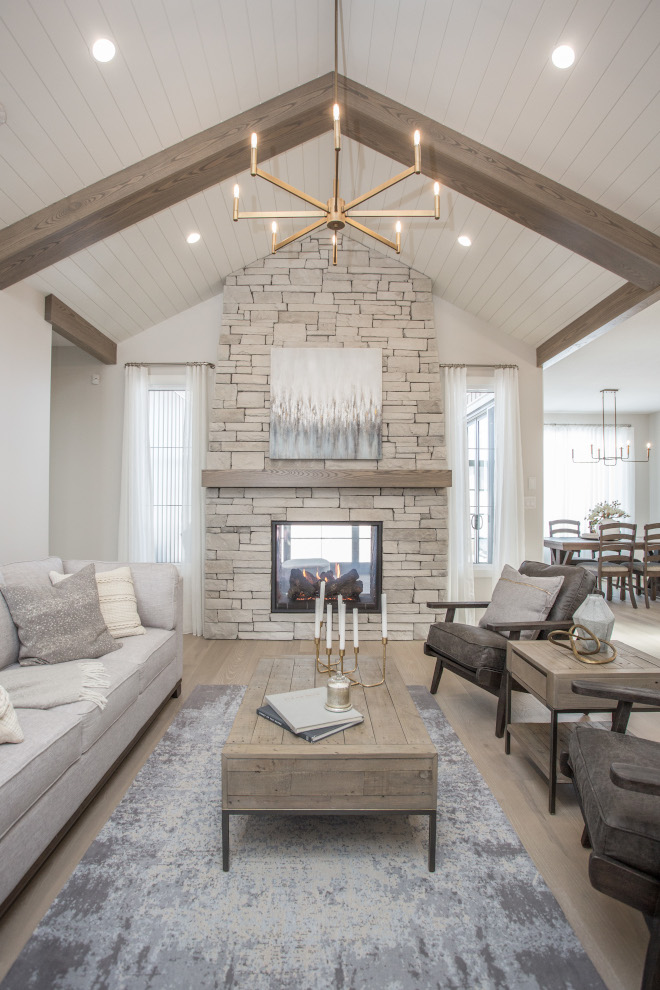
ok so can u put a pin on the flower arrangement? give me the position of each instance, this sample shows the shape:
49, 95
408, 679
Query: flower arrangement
605, 512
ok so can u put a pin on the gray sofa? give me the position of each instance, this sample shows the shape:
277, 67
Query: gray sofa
69, 751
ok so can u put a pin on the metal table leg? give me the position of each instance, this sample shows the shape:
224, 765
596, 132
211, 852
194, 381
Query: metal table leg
432, 838
552, 778
225, 841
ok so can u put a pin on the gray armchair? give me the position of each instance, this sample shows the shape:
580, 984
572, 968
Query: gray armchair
479, 654
617, 780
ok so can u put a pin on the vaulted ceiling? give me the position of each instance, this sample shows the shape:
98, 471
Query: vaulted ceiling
482, 68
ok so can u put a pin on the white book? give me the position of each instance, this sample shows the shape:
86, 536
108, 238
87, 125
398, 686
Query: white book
304, 710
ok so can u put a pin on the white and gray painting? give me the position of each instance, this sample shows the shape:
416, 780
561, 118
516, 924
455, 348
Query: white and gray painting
326, 402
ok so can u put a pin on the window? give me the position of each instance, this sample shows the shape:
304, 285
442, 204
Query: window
166, 444
480, 427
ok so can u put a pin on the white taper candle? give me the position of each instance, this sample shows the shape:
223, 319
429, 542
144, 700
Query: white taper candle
322, 590
317, 617
328, 636
355, 628
341, 611
383, 608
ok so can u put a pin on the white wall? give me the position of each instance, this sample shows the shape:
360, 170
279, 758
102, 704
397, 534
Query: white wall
465, 339
654, 468
25, 345
86, 427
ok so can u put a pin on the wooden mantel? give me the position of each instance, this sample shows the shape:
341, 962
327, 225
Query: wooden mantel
326, 479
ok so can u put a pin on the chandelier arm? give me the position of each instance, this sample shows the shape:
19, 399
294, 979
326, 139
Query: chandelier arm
371, 233
393, 213
300, 233
292, 189
381, 188
281, 214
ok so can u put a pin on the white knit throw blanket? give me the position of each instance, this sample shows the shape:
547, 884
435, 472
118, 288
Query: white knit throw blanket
46, 686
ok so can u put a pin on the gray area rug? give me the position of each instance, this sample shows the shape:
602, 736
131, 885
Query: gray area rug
309, 903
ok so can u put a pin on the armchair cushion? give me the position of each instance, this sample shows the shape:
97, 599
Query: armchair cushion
520, 597
622, 824
471, 646
578, 583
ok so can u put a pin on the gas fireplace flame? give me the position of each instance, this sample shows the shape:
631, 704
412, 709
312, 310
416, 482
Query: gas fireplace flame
337, 570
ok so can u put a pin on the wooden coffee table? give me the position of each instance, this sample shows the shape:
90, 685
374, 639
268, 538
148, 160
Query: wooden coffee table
388, 764
546, 671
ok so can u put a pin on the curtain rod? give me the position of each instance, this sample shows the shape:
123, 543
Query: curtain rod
599, 425
167, 364
479, 366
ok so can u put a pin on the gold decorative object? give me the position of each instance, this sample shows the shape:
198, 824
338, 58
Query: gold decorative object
334, 212
612, 459
573, 638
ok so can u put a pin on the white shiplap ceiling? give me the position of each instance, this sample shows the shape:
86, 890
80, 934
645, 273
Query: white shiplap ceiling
482, 68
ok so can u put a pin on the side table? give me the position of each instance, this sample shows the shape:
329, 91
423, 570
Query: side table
546, 671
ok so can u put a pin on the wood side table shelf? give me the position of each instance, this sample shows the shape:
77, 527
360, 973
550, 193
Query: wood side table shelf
546, 671
385, 765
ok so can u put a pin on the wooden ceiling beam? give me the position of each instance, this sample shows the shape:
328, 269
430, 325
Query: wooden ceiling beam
163, 179
619, 306
78, 331
503, 185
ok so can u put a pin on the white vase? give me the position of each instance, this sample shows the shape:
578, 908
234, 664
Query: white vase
597, 616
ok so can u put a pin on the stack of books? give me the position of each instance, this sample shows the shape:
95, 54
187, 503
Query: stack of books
304, 713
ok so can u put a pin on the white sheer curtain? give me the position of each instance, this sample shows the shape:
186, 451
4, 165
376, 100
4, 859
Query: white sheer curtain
460, 577
193, 522
509, 513
136, 535
572, 490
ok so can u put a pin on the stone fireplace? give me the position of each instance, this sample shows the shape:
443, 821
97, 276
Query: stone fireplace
297, 298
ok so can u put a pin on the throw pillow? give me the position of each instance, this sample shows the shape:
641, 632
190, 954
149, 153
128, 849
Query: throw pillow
117, 600
59, 623
10, 730
519, 598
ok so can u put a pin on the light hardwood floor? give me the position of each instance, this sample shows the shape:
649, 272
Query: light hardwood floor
615, 937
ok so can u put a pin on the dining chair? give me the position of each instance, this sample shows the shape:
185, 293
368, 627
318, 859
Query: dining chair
615, 560
648, 569
564, 527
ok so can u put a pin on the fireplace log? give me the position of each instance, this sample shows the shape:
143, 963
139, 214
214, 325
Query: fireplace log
348, 585
300, 587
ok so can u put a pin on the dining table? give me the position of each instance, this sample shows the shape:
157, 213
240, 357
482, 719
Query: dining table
562, 548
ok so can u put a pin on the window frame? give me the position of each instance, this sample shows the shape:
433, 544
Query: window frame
486, 410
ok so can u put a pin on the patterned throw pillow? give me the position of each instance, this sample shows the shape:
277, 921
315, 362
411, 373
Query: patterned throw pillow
519, 598
59, 623
117, 600
10, 730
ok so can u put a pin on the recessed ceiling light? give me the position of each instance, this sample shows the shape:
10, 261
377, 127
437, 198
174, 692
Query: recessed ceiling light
193, 238
103, 50
563, 57
464, 240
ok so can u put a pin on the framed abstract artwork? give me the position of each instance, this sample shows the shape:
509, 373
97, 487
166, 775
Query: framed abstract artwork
326, 402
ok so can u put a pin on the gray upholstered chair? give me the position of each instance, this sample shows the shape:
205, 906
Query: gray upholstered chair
479, 654
617, 780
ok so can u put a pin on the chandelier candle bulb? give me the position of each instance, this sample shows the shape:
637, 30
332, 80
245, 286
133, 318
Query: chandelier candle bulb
436, 200
274, 236
335, 115
398, 237
418, 152
236, 193
253, 155
334, 249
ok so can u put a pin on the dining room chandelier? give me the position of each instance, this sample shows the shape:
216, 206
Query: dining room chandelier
334, 213
605, 457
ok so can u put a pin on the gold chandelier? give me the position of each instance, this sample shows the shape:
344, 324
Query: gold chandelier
335, 212
607, 458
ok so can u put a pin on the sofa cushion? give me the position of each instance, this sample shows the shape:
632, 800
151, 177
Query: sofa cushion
471, 646
52, 744
622, 824
151, 653
117, 601
61, 622
123, 691
577, 584
26, 572
155, 589
521, 598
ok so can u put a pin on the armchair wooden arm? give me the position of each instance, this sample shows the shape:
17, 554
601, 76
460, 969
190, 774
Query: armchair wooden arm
624, 695
515, 628
629, 776
452, 606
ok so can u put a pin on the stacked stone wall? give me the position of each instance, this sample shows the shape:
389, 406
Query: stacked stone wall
298, 298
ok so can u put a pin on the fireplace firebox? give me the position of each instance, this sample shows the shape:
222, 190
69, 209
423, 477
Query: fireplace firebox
346, 556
